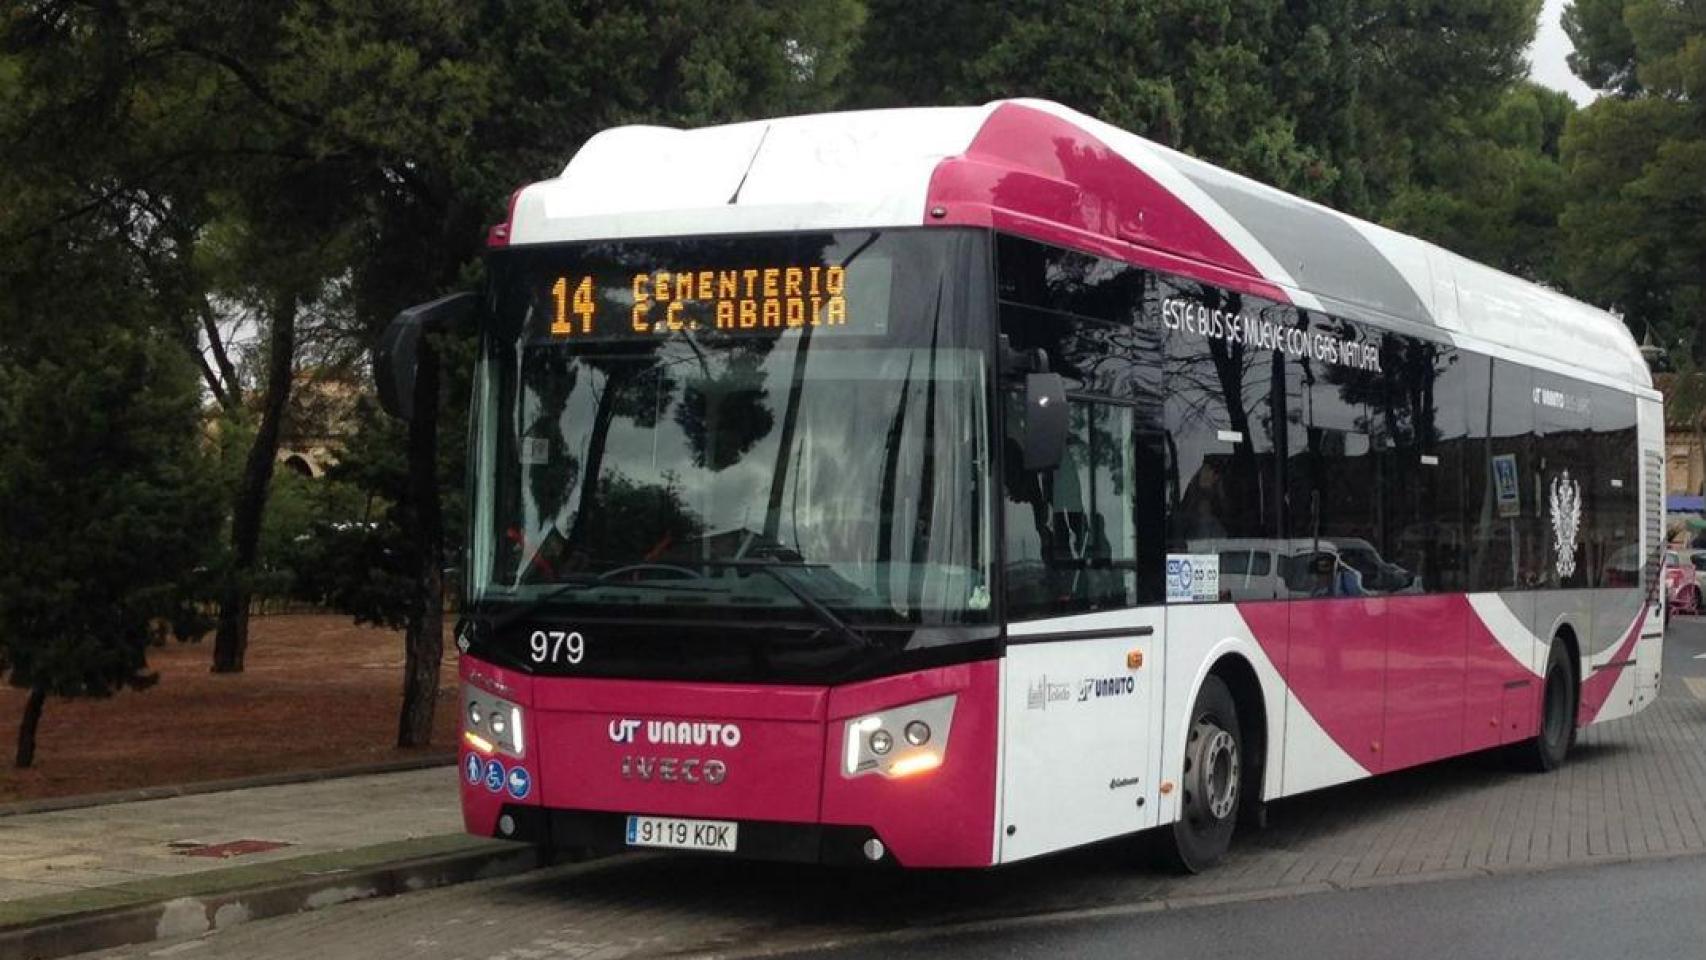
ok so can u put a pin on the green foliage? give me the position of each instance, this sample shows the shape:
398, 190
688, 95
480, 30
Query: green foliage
298, 509
1331, 100
1635, 220
104, 491
361, 562
1201, 75
1492, 188
1604, 54
350, 153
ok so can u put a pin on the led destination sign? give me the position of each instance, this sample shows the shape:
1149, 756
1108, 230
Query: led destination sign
757, 299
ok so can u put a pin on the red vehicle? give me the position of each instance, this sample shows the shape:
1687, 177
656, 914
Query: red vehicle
1682, 585
949, 487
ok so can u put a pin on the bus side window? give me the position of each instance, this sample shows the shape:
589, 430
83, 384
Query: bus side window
1222, 413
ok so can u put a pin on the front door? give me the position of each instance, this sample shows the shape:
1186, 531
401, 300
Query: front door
1081, 705
1082, 711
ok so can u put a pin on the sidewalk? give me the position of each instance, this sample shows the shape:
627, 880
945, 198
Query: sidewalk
81, 879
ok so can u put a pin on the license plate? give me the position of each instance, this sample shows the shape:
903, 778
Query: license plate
718, 835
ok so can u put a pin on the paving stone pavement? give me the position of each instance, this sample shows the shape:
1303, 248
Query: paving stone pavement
1633, 788
90, 848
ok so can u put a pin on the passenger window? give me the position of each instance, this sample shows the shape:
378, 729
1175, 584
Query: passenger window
1340, 447
1505, 511
1422, 492
1614, 531
1222, 416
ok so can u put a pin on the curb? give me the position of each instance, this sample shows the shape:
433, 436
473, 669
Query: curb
53, 804
308, 886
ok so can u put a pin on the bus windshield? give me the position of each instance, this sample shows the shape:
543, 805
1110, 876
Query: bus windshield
709, 427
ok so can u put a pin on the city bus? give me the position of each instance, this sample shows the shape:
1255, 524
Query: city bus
946, 487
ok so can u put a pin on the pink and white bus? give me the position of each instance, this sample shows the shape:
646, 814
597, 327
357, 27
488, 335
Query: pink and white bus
947, 487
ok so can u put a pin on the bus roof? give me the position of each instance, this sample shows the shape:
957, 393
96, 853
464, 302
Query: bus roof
1040, 169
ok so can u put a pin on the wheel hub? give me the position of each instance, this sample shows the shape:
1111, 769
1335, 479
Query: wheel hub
1212, 770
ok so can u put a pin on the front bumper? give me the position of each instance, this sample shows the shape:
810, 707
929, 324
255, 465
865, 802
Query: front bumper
783, 775
600, 833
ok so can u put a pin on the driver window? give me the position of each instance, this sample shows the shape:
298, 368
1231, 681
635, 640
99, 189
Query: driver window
1071, 531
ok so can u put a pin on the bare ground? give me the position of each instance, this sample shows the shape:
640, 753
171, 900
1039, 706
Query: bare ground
317, 693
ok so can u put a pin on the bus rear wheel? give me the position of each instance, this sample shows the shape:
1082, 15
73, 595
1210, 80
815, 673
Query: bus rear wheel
1212, 784
1561, 699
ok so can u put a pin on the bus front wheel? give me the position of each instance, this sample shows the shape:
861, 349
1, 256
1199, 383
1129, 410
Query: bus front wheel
1212, 782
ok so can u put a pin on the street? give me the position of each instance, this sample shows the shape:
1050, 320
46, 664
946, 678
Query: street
1599, 858
1685, 658
1638, 910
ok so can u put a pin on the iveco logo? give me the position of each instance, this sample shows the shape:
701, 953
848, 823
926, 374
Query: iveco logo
674, 769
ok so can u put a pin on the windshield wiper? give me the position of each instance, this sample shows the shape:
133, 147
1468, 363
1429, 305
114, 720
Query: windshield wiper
771, 568
774, 568
576, 586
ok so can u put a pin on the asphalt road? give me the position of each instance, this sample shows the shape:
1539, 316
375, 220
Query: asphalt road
1685, 657
1651, 910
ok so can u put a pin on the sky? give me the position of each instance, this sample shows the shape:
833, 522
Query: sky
1546, 57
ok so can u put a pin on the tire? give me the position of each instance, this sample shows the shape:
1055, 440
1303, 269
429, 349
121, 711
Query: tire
1558, 706
1211, 785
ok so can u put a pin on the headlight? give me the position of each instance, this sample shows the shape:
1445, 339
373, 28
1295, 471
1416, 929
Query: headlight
924, 726
497, 720
918, 733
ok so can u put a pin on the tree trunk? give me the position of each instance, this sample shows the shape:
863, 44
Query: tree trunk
231, 641
27, 730
423, 644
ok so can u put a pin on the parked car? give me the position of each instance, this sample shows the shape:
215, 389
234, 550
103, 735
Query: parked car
1698, 558
1682, 584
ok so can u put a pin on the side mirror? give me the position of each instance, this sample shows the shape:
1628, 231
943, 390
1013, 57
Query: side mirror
397, 357
1046, 421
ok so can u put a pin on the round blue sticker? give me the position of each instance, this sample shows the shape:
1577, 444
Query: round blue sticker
1182, 576
520, 783
473, 769
494, 776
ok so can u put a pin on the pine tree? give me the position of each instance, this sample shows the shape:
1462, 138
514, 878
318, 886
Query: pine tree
1635, 160
103, 497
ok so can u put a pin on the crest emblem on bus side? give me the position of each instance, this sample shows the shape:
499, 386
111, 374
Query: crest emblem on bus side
1566, 521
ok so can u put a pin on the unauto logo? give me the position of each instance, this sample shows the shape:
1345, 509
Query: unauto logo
1106, 687
675, 733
